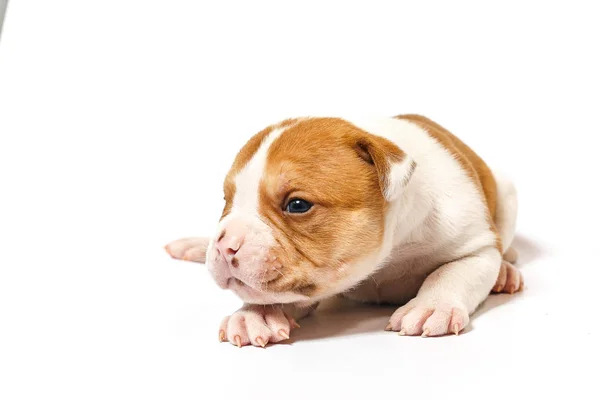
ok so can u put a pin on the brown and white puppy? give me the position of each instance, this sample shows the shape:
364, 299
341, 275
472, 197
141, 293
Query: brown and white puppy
385, 210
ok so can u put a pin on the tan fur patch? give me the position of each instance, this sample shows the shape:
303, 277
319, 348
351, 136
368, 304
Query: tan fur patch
242, 158
340, 169
473, 165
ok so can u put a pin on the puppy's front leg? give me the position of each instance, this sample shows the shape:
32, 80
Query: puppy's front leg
449, 295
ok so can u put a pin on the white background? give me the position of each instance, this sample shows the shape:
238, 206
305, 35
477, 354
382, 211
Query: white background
119, 119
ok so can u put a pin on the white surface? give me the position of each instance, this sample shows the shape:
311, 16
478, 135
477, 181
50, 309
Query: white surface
3, 4
119, 119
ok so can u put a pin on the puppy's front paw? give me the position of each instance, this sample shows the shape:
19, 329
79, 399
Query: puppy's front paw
429, 318
188, 249
256, 325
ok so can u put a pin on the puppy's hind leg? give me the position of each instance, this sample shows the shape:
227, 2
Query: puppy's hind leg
510, 279
506, 215
511, 255
189, 249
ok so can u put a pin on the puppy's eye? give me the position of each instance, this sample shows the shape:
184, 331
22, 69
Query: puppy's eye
298, 206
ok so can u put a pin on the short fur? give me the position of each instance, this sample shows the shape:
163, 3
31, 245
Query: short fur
403, 212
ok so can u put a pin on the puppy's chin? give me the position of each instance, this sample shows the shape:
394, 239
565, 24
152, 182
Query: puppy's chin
253, 296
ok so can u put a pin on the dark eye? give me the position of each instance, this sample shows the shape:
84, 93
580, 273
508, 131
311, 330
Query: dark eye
298, 206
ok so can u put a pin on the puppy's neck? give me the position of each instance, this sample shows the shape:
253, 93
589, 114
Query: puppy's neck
407, 215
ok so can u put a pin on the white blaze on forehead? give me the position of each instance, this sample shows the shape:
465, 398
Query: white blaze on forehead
247, 181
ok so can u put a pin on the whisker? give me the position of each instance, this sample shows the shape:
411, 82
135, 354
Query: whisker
280, 273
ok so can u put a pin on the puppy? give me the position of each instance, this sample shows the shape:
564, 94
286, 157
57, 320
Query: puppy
390, 210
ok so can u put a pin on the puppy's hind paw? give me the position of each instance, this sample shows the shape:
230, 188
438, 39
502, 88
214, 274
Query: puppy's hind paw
509, 279
188, 249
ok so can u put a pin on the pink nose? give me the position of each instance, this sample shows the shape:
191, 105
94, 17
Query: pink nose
231, 240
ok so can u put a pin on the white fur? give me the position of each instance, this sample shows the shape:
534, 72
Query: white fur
245, 200
506, 212
438, 251
257, 236
247, 181
440, 216
398, 177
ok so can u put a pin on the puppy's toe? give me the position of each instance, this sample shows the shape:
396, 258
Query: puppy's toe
429, 318
256, 325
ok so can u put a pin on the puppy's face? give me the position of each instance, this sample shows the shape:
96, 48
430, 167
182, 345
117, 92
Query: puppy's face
306, 202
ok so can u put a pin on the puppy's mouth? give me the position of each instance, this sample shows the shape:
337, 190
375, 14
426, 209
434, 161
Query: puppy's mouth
236, 283
231, 281
261, 285
244, 290
259, 292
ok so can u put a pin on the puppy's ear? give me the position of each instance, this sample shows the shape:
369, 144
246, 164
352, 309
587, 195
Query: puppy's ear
394, 167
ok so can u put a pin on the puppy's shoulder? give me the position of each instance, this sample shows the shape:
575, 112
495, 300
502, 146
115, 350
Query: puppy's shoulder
470, 162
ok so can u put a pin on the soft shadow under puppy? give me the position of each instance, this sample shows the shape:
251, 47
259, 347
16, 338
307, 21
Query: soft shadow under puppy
343, 317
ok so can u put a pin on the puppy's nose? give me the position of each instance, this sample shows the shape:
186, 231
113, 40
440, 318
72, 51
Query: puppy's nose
231, 239
229, 245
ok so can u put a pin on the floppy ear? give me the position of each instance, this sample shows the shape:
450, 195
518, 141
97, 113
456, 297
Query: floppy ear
394, 167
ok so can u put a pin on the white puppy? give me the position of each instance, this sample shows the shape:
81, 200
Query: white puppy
390, 210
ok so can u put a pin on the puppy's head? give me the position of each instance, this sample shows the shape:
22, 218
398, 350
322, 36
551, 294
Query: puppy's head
305, 210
